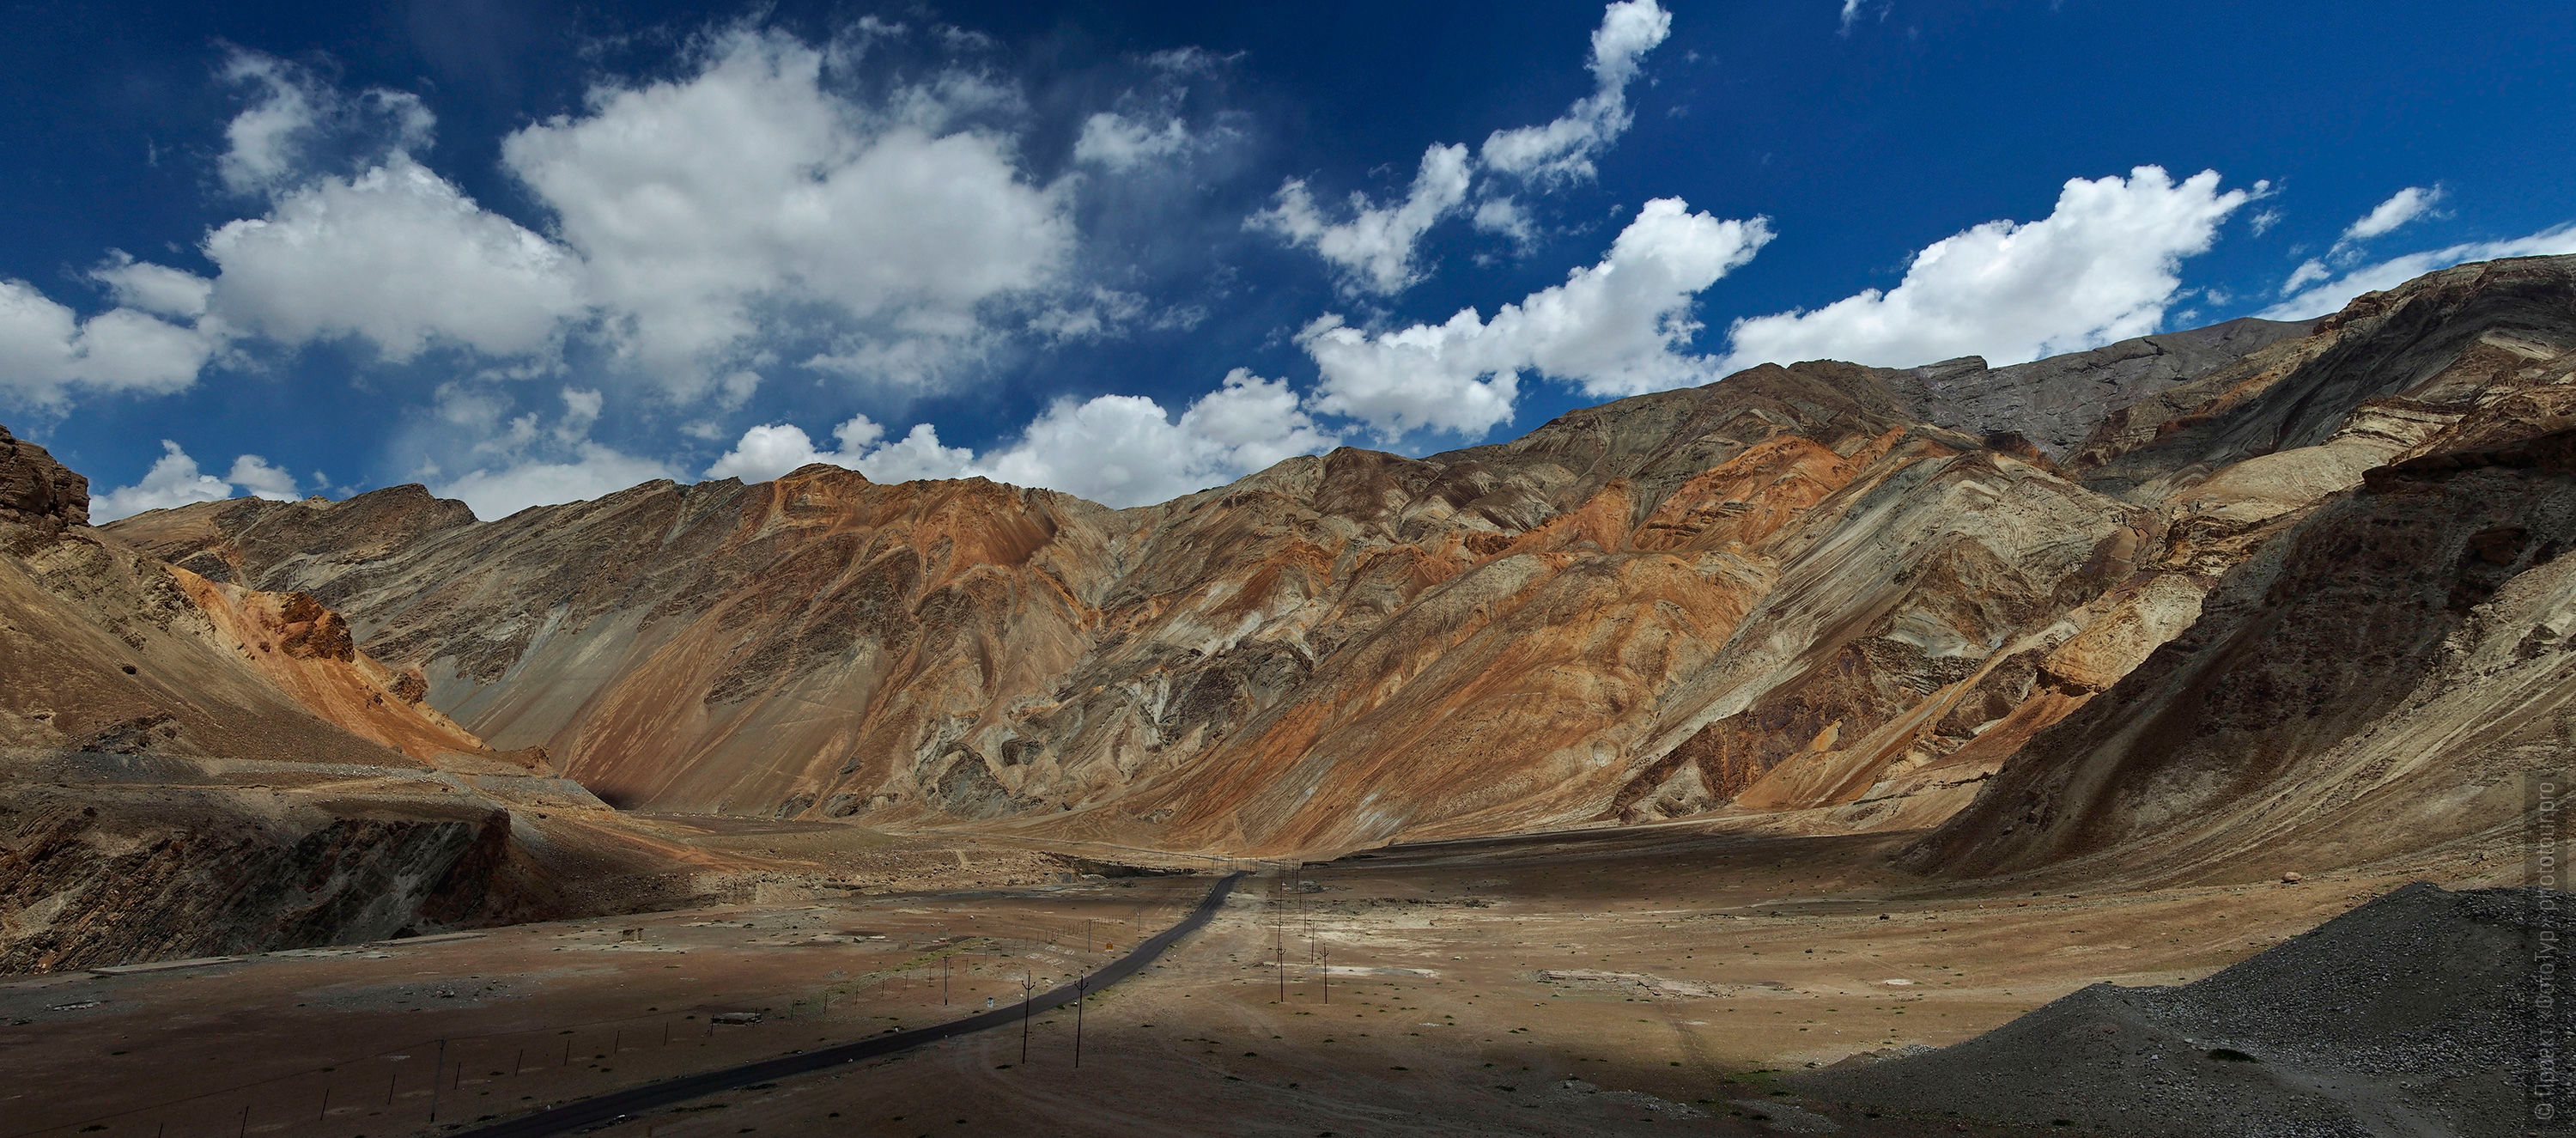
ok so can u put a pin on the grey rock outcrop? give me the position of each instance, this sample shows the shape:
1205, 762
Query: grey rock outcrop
2056, 403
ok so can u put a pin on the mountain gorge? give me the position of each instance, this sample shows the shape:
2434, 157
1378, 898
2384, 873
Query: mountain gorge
2117, 592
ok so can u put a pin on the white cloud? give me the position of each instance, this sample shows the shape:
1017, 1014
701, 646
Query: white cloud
260, 480
1613, 328
515, 460
917, 455
2404, 206
2401, 207
2309, 272
2263, 222
174, 480
1124, 450
1566, 147
702, 207
396, 256
157, 289
2333, 294
592, 471
124, 350
2102, 267
1100, 312
1116, 142
772, 449
1374, 249
46, 351
262, 139
1503, 216
293, 116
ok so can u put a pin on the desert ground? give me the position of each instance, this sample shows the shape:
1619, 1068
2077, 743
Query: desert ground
1647, 981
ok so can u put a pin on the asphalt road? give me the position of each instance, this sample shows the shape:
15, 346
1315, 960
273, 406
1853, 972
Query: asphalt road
609, 1107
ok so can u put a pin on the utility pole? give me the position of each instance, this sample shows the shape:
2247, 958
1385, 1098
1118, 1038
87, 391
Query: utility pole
435, 1073
1026, 986
1081, 987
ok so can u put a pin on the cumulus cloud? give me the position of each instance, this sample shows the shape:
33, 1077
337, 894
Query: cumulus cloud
1116, 142
1374, 249
174, 480
157, 289
47, 352
519, 461
1566, 147
2336, 290
260, 480
293, 119
703, 205
263, 137
1614, 328
396, 256
2102, 267
772, 449
593, 471
1503, 216
1125, 450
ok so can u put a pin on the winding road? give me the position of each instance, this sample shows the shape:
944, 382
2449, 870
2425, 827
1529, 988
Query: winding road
609, 1107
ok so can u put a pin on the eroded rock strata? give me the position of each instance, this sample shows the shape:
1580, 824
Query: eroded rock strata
189, 768
1844, 596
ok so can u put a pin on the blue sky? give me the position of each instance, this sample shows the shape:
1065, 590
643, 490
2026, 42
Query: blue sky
531, 252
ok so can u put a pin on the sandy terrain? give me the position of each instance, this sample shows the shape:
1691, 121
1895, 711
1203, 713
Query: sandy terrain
1601, 982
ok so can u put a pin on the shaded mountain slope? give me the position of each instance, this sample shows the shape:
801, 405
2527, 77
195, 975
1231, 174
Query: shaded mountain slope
2375, 681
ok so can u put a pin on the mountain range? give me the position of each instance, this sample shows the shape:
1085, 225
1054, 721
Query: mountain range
2189, 606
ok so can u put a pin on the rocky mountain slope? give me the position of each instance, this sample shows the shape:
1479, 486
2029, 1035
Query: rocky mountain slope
2377, 679
1843, 596
189, 768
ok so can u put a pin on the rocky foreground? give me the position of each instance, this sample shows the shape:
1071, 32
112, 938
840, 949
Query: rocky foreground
2421, 1012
